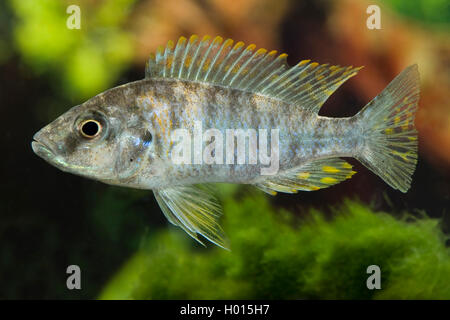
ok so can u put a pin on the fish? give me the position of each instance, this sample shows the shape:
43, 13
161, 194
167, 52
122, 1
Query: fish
176, 132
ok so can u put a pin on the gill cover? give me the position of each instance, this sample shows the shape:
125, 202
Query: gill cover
132, 152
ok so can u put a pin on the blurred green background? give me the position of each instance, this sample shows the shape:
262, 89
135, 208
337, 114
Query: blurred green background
310, 245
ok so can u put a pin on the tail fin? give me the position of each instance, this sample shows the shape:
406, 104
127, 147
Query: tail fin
390, 148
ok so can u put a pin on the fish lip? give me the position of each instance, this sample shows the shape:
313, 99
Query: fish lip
41, 148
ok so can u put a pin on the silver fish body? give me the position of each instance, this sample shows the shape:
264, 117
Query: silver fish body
168, 105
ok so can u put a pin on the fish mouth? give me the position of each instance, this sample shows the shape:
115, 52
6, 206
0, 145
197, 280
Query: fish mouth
42, 149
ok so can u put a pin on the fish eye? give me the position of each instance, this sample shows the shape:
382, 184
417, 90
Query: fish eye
90, 128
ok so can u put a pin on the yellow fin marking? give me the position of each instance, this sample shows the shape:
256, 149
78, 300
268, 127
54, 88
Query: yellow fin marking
260, 51
169, 62
389, 131
401, 155
304, 175
193, 38
301, 63
160, 50
238, 45
350, 174
282, 56
406, 125
187, 63
218, 40
206, 38
206, 65
228, 43
328, 180
336, 70
347, 70
330, 169
346, 165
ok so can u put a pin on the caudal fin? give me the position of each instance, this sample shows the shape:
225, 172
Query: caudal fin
390, 143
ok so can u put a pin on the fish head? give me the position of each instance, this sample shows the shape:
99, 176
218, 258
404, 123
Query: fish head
98, 140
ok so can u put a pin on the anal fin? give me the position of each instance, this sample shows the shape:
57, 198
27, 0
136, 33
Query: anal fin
311, 176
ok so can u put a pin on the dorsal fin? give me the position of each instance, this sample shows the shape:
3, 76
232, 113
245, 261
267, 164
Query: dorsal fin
215, 61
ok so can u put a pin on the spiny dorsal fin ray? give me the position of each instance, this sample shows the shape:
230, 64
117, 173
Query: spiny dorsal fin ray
195, 210
312, 176
215, 61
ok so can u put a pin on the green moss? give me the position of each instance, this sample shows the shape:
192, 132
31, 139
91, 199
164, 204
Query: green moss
275, 256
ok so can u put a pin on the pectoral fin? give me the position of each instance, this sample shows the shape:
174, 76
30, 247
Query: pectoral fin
195, 210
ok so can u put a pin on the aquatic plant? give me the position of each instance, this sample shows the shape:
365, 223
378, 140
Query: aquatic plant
278, 256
